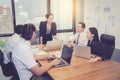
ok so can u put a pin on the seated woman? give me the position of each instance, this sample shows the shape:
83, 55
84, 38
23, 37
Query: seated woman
95, 45
47, 29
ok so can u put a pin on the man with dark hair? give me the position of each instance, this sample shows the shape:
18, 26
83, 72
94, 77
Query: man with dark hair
80, 37
11, 43
18, 29
24, 60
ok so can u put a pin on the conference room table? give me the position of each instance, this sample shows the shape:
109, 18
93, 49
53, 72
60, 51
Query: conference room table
81, 69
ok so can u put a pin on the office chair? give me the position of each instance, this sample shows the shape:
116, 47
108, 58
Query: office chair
15, 74
6, 68
108, 44
1, 58
9, 68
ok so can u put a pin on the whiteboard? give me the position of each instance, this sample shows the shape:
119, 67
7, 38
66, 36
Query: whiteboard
105, 16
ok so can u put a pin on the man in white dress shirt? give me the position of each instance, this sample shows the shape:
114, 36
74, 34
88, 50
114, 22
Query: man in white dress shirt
79, 37
12, 42
23, 58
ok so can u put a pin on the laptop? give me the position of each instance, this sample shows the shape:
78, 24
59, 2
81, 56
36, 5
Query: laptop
65, 56
53, 45
82, 51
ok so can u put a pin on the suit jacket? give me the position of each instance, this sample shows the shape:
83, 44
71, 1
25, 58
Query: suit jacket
96, 48
43, 30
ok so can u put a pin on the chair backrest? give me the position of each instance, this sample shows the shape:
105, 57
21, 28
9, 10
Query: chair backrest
15, 75
1, 58
108, 44
6, 68
9, 68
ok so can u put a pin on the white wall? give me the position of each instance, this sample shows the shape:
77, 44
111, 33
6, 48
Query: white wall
105, 16
79, 10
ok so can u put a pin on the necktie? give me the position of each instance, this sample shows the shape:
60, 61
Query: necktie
77, 38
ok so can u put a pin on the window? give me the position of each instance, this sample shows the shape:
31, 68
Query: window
30, 11
63, 16
3, 42
62, 10
6, 21
64, 36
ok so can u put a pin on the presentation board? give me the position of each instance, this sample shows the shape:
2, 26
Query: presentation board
105, 16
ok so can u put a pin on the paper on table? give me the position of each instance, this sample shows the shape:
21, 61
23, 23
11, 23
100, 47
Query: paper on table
40, 52
56, 53
36, 51
33, 46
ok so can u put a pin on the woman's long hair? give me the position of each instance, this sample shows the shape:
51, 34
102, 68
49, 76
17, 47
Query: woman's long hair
94, 31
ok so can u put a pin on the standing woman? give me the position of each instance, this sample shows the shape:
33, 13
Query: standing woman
94, 44
47, 29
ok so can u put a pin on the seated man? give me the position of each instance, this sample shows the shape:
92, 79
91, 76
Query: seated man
12, 42
23, 58
80, 37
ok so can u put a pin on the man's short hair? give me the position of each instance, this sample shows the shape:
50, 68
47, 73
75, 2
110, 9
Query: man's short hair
18, 29
27, 31
83, 24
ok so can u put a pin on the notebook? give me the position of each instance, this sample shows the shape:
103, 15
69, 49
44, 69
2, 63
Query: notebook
82, 51
53, 45
65, 56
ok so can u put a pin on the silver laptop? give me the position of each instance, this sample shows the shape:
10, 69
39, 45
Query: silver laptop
53, 45
65, 56
82, 51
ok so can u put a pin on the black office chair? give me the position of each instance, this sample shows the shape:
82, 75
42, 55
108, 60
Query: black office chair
9, 68
6, 68
108, 44
1, 58
15, 74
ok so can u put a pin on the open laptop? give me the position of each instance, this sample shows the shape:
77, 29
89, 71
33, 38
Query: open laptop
53, 45
65, 56
82, 51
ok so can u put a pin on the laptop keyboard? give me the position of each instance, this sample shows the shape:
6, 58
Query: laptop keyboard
61, 61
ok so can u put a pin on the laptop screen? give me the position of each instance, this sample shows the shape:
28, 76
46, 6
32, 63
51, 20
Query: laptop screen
82, 51
67, 53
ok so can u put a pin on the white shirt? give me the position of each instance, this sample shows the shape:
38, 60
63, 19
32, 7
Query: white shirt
12, 42
82, 40
23, 59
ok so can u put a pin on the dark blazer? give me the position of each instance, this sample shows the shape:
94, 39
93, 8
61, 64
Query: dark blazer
96, 48
43, 31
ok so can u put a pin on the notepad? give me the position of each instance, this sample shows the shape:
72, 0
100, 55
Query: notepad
36, 51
